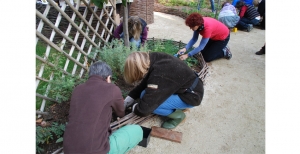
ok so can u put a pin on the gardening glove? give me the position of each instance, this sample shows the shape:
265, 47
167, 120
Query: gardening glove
134, 107
181, 51
128, 101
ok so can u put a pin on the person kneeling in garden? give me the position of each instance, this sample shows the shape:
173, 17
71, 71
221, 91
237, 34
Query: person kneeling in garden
166, 86
215, 37
88, 129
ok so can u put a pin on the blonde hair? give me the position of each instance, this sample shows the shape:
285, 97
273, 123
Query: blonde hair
134, 27
136, 66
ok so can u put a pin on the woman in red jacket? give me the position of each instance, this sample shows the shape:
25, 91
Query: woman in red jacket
215, 36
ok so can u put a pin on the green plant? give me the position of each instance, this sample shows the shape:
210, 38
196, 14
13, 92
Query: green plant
59, 61
166, 46
115, 54
99, 3
44, 135
169, 47
178, 2
62, 86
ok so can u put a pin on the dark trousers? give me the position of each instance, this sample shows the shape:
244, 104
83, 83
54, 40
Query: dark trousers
243, 23
214, 49
263, 22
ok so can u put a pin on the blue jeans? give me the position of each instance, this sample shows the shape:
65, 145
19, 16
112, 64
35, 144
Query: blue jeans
132, 40
243, 23
170, 105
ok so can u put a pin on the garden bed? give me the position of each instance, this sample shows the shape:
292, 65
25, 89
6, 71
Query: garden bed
58, 113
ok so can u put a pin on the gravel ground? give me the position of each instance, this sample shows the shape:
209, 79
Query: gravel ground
231, 117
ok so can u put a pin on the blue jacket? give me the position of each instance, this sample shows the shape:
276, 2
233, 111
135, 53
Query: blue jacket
250, 2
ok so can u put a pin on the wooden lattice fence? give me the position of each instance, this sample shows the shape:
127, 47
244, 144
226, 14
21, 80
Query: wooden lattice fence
68, 31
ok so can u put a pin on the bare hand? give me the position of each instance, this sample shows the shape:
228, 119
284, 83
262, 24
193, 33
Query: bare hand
183, 57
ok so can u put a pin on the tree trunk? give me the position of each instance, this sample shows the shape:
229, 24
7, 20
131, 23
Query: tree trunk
125, 26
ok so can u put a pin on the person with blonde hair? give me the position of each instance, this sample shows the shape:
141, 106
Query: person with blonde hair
164, 84
137, 29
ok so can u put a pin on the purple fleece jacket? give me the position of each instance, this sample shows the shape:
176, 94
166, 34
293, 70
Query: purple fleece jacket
119, 31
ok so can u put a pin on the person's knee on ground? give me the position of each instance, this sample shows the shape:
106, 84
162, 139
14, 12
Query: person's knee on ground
125, 138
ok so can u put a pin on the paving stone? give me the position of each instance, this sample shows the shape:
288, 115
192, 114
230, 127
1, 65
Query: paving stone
166, 134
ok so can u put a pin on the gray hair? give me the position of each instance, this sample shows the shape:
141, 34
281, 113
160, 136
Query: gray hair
100, 68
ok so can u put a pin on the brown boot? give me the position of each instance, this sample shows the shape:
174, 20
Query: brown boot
261, 51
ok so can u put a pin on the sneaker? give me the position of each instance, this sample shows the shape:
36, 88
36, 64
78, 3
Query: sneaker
228, 53
260, 52
249, 28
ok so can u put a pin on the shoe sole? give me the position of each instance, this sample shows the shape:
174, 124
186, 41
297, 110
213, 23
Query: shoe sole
229, 57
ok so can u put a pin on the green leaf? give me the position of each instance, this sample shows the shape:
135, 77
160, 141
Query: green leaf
99, 3
59, 140
124, 2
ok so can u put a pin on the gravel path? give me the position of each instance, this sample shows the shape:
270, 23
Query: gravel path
231, 117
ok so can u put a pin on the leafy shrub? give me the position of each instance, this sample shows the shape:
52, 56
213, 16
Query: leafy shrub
178, 2
115, 54
46, 134
62, 86
169, 47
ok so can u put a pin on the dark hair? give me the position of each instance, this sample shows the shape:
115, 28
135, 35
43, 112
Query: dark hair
239, 4
100, 68
224, 4
194, 19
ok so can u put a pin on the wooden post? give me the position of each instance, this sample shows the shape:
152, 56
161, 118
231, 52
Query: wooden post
217, 9
125, 26
113, 3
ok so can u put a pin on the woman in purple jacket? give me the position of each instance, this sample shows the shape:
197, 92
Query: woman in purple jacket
137, 29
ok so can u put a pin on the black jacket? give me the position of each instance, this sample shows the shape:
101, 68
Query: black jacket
171, 76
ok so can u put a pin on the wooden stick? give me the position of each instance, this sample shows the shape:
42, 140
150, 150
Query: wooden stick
61, 33
44, 97
50, 64
84, 20
40, 35
97, 15
73, 24
42, 113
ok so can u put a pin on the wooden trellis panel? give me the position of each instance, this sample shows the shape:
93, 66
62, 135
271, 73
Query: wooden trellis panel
69, 31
